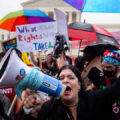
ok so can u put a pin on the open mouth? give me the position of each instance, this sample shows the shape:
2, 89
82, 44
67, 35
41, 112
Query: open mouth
68, 88
67, 91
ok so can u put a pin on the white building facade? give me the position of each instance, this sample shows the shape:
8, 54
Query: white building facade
48, 6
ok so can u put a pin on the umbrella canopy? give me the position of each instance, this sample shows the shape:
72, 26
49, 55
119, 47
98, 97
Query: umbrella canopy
98, 6
100, 47
89, 33
25, 16
116, 36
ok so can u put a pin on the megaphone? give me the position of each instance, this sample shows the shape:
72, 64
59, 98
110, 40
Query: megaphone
14, 69
6, 57
11, 69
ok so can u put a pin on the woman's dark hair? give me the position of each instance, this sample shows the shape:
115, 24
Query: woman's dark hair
74, 70
79, 63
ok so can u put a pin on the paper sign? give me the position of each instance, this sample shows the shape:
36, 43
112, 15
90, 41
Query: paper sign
61, 19
9, 44
36, 37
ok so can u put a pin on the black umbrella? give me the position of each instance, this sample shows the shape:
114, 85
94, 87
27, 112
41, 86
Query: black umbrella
100, 47
89, 33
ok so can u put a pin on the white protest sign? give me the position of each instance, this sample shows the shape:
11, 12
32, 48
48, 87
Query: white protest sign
61, 19
36, 37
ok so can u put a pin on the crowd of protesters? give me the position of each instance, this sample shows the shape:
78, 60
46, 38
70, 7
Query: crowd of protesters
92, 93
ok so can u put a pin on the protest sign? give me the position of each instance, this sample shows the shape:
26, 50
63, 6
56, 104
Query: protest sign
61, 19
9, 43
36, 37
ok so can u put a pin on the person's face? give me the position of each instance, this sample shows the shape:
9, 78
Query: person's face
49, 58
69, 79
109, 69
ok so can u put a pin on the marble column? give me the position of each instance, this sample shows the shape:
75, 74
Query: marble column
70, 17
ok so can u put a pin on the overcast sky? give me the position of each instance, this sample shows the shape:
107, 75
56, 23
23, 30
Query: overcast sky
103, 18
7, 6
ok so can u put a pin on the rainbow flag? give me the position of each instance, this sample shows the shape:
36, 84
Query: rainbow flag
78, 4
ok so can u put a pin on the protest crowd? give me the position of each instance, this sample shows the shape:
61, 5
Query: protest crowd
60, 86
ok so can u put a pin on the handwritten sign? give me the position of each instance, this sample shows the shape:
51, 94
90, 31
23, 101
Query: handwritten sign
36, 37
9, 43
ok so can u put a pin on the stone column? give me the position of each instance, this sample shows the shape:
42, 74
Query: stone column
70, 17
78, 16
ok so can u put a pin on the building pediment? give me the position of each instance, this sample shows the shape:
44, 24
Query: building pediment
45, 3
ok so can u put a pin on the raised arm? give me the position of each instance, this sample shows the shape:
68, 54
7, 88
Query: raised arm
110, 94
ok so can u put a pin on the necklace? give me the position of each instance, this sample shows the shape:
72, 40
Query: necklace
73, 105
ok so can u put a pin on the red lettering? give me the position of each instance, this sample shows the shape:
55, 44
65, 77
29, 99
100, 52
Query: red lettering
24, 38
28, 39
32, 36
20, 37
36, 36
40, 36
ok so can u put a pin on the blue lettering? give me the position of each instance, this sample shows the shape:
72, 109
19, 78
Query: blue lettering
40, 46
35, 45
20, 30
45, 45
33, 29
27, 30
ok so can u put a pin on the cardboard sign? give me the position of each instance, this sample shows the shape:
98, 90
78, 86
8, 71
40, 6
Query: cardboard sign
9, 44
61, 19
36, 37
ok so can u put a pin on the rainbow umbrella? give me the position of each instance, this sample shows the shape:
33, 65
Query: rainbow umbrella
98, 6
21, 17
